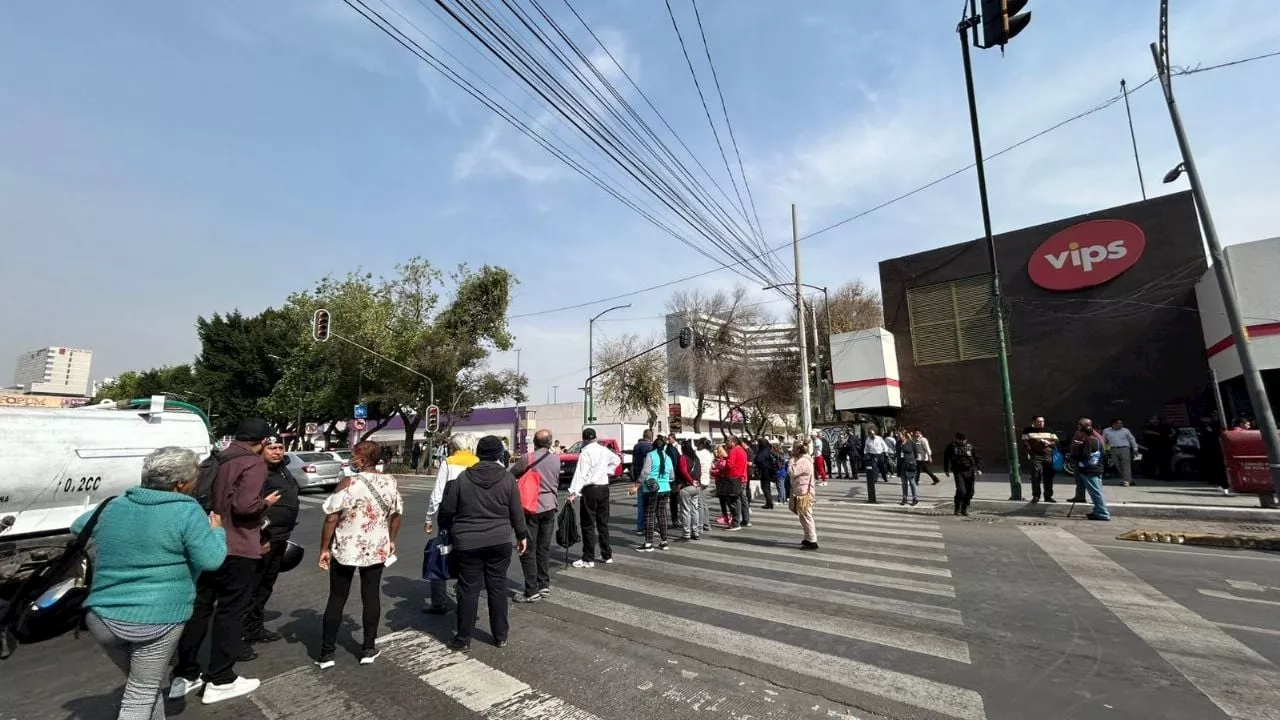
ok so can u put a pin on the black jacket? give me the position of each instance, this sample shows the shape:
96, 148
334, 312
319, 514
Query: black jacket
482, 507
283, 516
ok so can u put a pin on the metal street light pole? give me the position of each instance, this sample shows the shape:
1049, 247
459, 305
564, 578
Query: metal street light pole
806, 412
1230, 304
589, 404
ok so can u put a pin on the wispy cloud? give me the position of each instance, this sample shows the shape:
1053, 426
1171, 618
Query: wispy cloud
497, 153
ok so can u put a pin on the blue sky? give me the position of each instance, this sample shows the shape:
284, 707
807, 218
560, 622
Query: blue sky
165, 160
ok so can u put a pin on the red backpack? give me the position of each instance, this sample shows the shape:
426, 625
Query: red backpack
530, 484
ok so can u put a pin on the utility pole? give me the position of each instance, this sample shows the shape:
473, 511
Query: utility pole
1230, 304
817, 364
806, 412
997, 297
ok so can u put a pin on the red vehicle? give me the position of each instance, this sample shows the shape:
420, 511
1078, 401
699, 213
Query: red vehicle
569, 459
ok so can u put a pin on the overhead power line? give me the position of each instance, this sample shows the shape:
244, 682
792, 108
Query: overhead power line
1095, 109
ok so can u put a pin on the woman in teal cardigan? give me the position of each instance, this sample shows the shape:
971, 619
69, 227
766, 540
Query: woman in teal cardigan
655, 480
150, 546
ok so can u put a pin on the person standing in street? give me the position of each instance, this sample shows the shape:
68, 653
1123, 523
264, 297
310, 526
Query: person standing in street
890, 456
281, 518
963, 460
909, 453
147, 546
926, 456
819, 457
767, 470
596, 464
706, 458
737, 467
536, 564
803, 492
1121, 446
1039, 442
656, 476
225, 595
873, 452
481, 510
689, 473
639, 453
462, 455
1087, 450
362, 519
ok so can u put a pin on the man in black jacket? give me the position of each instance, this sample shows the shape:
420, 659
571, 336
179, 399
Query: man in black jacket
281, 518
963, 460
481, 509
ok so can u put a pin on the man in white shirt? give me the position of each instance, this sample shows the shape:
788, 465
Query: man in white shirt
705, 460
1121, 445
874, 452
596, 464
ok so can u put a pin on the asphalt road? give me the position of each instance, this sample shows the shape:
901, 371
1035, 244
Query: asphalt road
900, 615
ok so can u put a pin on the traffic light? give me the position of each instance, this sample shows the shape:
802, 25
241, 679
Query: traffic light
320, 325
686, 337
1001, 21
433, 419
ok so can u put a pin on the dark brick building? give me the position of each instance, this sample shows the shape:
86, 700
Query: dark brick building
1117, 335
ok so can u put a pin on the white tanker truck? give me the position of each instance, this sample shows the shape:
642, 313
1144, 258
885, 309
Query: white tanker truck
57, 463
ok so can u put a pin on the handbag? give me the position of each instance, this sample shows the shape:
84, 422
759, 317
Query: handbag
800, 503
435, 558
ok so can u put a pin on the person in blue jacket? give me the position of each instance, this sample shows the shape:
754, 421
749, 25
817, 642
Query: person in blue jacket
151, 545
655, 482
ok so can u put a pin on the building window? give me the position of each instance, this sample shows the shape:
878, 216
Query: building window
952, 321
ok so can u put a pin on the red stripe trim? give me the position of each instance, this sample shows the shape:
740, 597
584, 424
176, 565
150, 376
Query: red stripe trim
1255, 331
874, 382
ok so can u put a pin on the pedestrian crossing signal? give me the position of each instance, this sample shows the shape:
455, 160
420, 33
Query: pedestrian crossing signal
320, 325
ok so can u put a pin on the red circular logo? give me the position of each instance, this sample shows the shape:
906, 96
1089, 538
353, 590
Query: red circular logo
1086, 255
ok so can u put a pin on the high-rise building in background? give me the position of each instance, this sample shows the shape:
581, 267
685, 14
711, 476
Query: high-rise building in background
54, 371
758, 345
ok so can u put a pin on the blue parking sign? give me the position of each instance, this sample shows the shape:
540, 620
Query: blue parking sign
360, 412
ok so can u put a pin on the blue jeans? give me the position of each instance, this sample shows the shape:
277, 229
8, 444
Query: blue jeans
909, 485
1093, 485
640, 511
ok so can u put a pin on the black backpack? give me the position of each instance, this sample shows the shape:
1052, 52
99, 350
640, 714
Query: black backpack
567, 532
208, 475
50, 601
962, 457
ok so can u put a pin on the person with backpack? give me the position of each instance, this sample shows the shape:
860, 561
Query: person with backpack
961, 458
1088, 450
281, 518
689, 473
225, 595
538, 476
362, 519
655, 482
462, 455
482, 510
148, 544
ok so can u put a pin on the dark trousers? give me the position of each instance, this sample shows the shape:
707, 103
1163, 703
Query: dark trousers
340, 577
744, 505
483, 567
268, 571
964, 489
1042, 475
655, 516
922, 469
874, 467
766, 486
224, 595
731, 509
536, 563
594, 516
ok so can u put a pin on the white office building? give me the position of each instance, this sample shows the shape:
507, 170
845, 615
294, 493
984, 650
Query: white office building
54, 371
758, 344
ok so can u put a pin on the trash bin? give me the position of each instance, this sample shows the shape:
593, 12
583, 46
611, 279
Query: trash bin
1246, 459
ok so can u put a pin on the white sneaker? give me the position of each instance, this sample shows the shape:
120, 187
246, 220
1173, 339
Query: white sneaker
369, 657
609, 561
183, 687
239, 687
583, 564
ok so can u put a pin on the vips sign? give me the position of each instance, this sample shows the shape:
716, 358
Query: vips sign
1086, 255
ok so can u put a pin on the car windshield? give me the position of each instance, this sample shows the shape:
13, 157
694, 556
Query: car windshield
574, 448
344, 454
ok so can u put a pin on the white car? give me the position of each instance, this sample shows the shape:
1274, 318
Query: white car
344, 457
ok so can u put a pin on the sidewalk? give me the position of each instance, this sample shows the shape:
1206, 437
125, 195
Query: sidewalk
1150, 498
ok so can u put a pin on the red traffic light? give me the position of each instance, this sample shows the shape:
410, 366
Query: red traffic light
320, 325
433, 419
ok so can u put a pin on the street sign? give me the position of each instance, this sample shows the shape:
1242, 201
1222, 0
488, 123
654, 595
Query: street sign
312, 428
358, 424
361, 412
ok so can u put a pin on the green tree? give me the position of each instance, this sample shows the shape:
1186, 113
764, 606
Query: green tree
713, 366
636, 386
235, 368
177, 381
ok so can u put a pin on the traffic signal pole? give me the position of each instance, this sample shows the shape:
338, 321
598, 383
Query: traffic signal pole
997, 295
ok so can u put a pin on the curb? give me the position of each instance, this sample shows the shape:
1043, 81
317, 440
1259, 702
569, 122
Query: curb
1234, 540
1130, 510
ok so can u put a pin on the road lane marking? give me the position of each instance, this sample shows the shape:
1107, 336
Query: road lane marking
734, 563
853, 600
863, 511
300, 695
1185, 550
787, 538
477, 687
801, 557
879, 528
862, 677
1223, 595
1243, 683
1249, 628
846, 627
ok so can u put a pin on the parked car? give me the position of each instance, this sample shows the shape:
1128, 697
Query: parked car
569, 459
315, 469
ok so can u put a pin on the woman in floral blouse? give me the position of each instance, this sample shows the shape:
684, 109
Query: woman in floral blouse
362, 519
